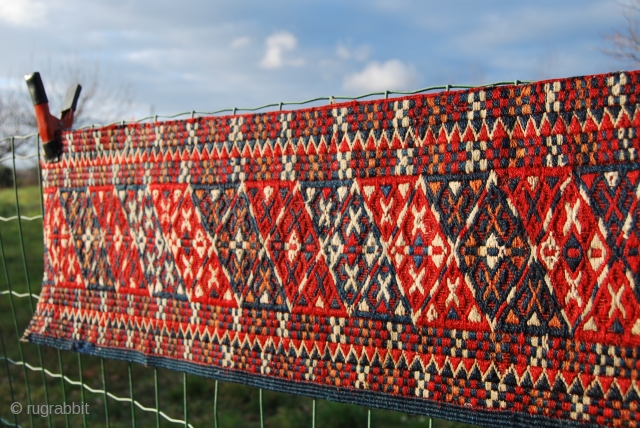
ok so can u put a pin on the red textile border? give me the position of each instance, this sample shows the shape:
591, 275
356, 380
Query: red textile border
467, 254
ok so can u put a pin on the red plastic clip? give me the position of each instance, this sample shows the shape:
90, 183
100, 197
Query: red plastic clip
49, 126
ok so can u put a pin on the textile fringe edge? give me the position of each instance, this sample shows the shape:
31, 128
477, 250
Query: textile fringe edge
370, 399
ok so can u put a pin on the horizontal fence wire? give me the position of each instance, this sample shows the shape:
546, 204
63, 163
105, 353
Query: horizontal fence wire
20, 157
280, 105
104, 391
15, 293
39, 368
9, 424
22, 217
94, 390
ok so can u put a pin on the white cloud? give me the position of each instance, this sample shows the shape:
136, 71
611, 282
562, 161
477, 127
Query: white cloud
342, 51
240, 42
26, 13
360, 53
151, 47
392, 74
277, 44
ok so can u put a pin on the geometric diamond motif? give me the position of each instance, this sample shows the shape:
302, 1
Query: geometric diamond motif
51, 231
61, 253
189, 244
614, 310
454, 200
575, 253
213, 201
386, 199
264, 290
317, 292
237, 243
162, 276
381, 296
213, 287
289, 237
419, 250
88, 239
268, 199
613, 196
494, 249
534, 196
325, 203
119, 243
242, 256
287, 231
451, 304
352, 250
533, 309
572, 252
364, 277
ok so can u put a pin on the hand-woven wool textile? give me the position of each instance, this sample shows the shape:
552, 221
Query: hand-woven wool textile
472, 254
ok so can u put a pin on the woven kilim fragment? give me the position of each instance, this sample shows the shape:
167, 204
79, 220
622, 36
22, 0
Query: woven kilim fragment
472, 255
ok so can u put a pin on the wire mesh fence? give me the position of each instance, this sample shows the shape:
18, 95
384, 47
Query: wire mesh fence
116, 393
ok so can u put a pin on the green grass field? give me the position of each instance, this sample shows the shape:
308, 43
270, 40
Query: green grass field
238, 405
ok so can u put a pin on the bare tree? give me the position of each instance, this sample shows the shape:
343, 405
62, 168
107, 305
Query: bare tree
102, 100
625, 44
12, 113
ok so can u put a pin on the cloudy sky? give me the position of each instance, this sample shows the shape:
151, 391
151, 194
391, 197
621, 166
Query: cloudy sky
186, 55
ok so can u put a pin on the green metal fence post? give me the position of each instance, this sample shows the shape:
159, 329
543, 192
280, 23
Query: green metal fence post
82, 399
64, 388
6, 363
215, 405
261, 412
155, 384
133, 405
104, 387
15, 323
26, 273
186, 412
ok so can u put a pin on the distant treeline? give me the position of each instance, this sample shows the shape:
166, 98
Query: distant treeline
26, 176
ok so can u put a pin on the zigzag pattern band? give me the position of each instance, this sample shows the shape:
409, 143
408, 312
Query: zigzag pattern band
468, 254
